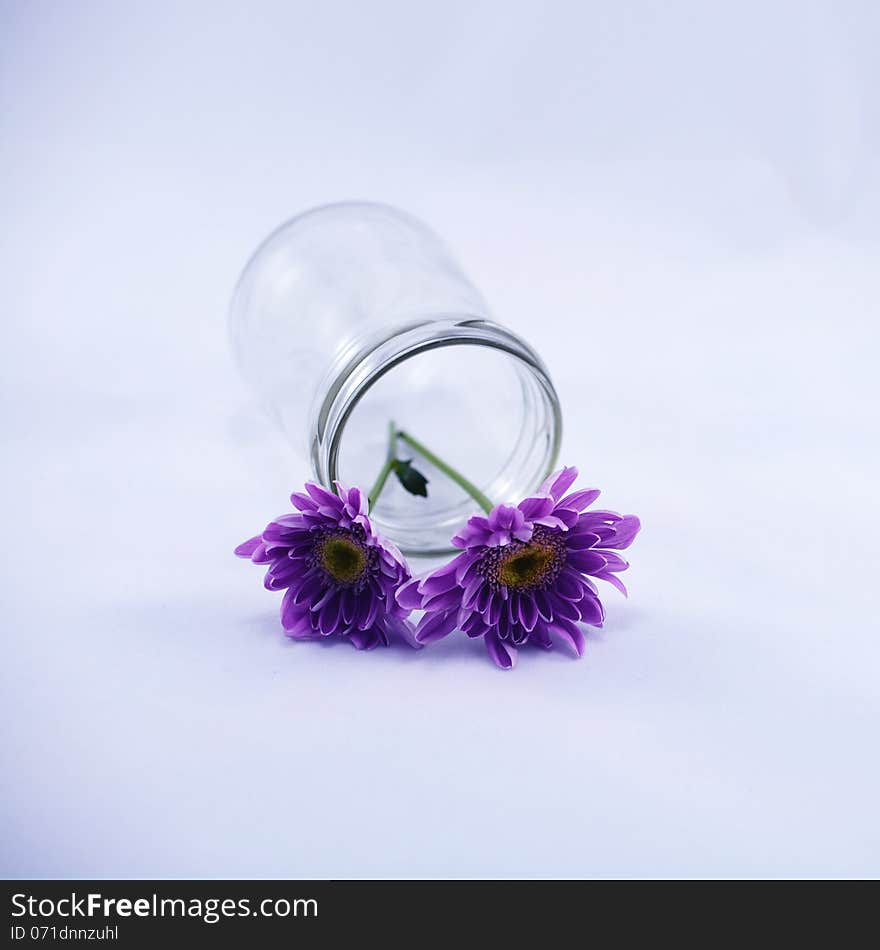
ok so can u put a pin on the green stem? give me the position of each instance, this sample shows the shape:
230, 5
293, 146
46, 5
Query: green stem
447, 470
382, 477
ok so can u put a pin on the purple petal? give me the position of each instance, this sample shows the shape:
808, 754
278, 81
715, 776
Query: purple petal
365, 639
310, 588
284, 571
484, 598
571, 634
391, 551
541, 637
247, 548
527, 612
474, 595
261, 554
367, 611
568, 586
290, 519
503, 654
474, 534
348, 604
498, 539
614, 562
559, 482
625, 532
579, 500
389, 567
276, 531
294, 618
590, 519
562, 518
587, 562
445, 601
330, 615
473, 626
304, 633
302, 501
353, 497
504, 628
592, 611
270, 582
555, 521
323, 497
564, 610
506, 518
492, 614
544, 604
536, 507
438, 582
519, 634
364, 522
612, 579
316, 519
435, 626
581, 540
466, 565
408, 595
511, 607
328, 594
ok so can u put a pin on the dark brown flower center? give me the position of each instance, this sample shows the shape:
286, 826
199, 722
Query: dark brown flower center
342, 558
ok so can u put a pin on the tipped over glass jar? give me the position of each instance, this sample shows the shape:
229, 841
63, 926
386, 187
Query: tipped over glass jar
353, 315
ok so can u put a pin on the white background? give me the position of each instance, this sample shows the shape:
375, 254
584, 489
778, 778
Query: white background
678, 203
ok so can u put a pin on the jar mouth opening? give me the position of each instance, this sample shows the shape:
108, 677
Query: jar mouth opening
520, 469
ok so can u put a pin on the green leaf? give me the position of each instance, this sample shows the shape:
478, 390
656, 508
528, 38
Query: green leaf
411, 478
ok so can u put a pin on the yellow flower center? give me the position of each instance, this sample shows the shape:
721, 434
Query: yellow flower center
342, 559
526, 567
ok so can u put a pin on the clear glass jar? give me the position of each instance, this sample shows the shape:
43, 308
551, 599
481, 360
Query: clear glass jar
352, 315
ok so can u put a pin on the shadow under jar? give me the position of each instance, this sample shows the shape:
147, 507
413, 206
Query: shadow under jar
352, 315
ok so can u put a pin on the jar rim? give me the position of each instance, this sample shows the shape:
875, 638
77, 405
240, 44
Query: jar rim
365, 362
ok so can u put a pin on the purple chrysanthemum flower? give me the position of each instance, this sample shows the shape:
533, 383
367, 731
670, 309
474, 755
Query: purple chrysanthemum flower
525, 572
339, 576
